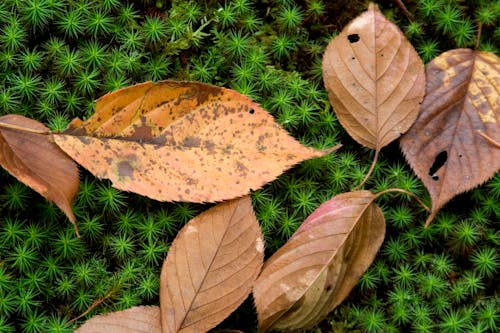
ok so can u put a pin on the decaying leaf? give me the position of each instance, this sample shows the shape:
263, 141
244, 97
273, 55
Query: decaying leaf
319, 265
138, 319
445, 146
375, 79
28, 154
210, 267
182, 141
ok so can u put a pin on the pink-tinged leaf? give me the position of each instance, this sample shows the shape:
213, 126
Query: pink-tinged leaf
320, 264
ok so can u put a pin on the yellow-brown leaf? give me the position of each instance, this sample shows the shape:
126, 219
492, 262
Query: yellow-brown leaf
211, 267
183, 141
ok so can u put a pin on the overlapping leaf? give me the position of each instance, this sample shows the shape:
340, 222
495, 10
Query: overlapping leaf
27, 152
211, 267
138, 319
375, 79
445, 147
182, 141
316, 269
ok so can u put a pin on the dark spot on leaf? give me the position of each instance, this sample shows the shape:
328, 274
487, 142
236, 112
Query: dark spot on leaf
192, 141
328, 288
439, 161
125, 169
108, 160
353, 38
251, 111
83, 139
353, 58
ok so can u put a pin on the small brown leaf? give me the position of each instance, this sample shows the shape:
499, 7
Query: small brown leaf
375, 79
183, 141
211, 267
444, 147
27, 153
320, 264
138, 319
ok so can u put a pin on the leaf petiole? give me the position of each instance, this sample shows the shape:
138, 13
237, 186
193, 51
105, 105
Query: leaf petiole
405, 192
24, 129
489, 139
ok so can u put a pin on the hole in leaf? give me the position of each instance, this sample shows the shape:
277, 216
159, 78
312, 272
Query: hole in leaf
353, 38
439, 161
251, 111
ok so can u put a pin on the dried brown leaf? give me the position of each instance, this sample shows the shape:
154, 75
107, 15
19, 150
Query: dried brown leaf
375, 79
320, 264
138, 319
28, 153
211, 267
444, 147
183, 141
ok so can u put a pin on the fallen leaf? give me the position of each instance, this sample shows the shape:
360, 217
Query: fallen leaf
320, 264
138, 319
445, 146
27, 153
183, 141
375, 80
210, 267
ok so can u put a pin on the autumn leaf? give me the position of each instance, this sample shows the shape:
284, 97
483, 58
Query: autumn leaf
447, 146
138, 319
375, 80
320, 264
27, 153
183, 141
211, 267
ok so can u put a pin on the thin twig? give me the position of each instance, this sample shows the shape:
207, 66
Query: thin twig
24, 129
92, 306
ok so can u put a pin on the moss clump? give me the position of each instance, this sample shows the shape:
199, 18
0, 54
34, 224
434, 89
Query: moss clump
58, 56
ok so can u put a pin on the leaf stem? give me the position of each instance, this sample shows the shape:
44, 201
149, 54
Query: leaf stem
400, 190
489, 139
372, 167
478, 37
403, 8
24, 129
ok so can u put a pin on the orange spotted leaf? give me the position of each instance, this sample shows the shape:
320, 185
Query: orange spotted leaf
210, 267
28, 153
182, 141
138, 319
452, 145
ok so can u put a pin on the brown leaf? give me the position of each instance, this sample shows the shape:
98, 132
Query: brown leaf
375, 79
320, 264
444, 146
211, 267
183, 141
28, 153
138, 319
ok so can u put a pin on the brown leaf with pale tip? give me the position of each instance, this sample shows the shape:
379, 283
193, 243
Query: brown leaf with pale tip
375, 79
28, 153
320, 264
447, 146
210, 267
183, 141
138, 319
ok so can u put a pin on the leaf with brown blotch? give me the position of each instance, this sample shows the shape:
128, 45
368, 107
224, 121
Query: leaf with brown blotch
320, 264
183, 141
448, 146
375, 80
138, 319
28, 153
210, 267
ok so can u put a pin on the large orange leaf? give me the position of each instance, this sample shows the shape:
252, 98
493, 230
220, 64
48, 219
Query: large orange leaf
182, 141
320, 264
138, 319
375, 79
27, 153
447, 146
211, 267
